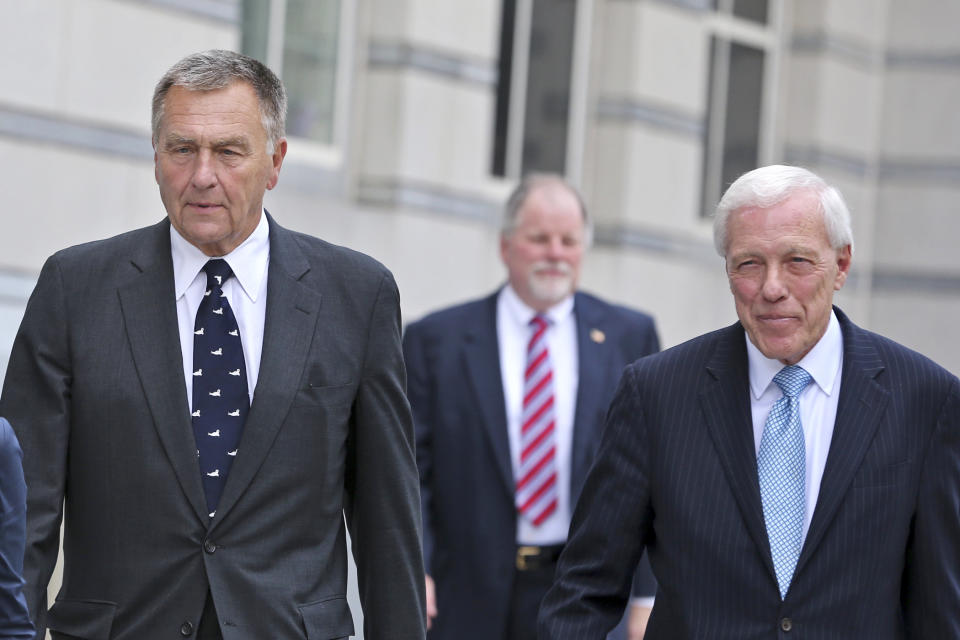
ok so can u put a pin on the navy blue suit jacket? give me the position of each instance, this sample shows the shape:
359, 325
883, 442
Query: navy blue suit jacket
677, 474
463, 453
14, 617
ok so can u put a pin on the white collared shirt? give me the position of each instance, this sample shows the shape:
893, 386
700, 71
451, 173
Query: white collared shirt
246, 292
818, 403
513, 333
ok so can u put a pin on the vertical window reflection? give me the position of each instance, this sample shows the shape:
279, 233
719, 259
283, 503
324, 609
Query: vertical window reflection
536, 53
310, 67
504, 79
548, 85
741, 145
735, 115
306, 58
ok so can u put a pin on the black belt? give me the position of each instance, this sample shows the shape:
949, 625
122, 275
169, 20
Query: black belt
532, 558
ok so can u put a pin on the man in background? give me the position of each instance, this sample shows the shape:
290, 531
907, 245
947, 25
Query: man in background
509, 393
789, 475
14, 617
209, 398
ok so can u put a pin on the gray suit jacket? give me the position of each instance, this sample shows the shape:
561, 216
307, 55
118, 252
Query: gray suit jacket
95, 390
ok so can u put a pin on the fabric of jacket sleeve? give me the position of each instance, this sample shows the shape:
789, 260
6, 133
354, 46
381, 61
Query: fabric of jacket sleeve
420, 392
644, 584
609, 529
36, 400
14, 618
382, 500
931, 587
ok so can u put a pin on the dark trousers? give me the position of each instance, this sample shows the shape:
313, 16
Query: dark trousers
529, 588
209, 628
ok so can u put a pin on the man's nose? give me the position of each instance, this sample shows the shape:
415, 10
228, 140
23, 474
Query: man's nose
774, 285
555, 248
204, 171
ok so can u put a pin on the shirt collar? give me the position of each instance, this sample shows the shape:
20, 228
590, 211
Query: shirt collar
523, 314
248, 261
823, 362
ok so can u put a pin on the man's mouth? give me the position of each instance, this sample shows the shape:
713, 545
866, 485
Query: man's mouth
776, 318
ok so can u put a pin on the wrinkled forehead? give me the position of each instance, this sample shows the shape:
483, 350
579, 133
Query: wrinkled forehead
799, 213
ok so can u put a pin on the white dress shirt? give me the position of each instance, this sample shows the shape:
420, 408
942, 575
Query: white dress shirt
246, 292
513, 333
818, 403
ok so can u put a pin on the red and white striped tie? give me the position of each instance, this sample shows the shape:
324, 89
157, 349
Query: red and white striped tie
536, 495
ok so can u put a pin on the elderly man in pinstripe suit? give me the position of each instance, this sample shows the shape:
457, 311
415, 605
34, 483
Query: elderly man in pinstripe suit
790, 476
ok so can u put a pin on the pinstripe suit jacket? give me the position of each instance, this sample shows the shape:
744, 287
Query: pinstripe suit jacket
676, 474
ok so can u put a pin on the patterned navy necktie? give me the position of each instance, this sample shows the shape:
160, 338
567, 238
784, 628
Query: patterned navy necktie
220, 395
781, 464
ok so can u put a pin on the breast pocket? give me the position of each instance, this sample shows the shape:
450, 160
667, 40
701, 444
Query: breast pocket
330, 395
883, 476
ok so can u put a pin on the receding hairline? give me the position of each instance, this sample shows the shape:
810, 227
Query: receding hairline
218, 69
535, 183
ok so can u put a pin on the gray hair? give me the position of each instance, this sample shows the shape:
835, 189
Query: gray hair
768, 186
216, 69
530, 183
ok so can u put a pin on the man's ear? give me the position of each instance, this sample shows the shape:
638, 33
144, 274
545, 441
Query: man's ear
279, 151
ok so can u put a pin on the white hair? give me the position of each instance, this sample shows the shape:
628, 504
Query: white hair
768, 186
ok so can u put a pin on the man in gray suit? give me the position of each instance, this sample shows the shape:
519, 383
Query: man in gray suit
213, 400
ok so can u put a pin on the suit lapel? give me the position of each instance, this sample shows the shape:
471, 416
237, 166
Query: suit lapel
155, 345
291, 318
725, 401
481, 353
592, 380
860, 408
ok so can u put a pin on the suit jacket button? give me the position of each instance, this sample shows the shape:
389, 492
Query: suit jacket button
209, 546
786, 624
186, 629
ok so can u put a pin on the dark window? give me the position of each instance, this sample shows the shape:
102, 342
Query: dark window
741, 144
754, 10
548, 86
504, 78
736, 101
549, 63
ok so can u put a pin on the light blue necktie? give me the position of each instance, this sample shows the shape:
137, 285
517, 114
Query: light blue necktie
781, 464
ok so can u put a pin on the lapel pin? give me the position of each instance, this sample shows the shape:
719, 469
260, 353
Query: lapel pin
597, 336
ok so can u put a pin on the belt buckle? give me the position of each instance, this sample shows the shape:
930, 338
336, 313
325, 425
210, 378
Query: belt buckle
525, 555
